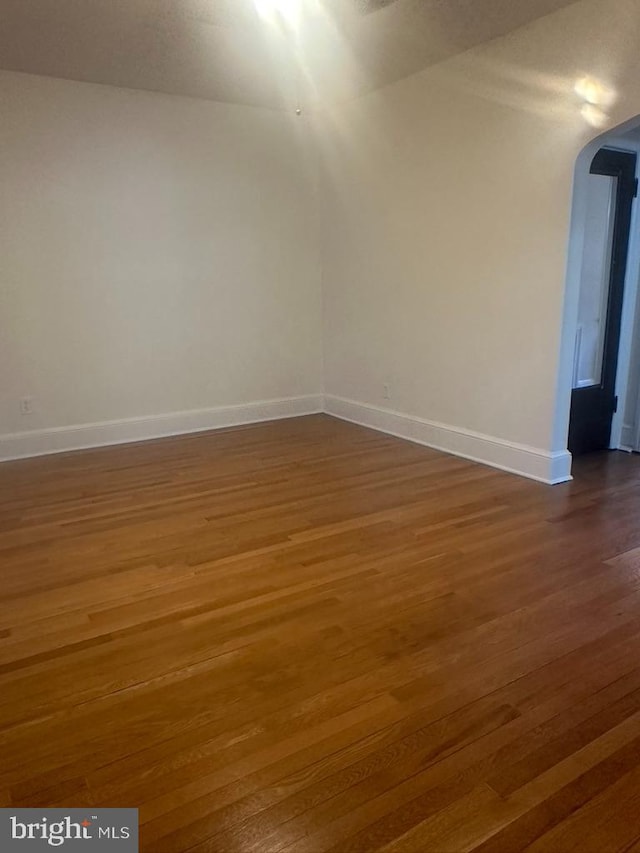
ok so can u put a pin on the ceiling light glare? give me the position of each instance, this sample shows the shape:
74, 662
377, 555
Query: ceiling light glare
286, 11
593, 91
594, 115
588, 89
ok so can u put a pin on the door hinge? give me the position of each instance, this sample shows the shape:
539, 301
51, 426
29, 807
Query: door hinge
614, 406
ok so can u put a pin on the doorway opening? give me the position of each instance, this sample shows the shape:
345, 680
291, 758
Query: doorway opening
598, 404
611, 189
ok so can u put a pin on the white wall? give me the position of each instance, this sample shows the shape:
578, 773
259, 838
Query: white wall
624, 428
594, 280
446, 218
157, 255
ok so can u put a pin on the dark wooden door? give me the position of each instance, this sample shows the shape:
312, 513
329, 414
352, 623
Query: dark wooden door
593, 400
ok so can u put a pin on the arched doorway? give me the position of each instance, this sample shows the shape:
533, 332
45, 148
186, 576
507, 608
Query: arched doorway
600, 353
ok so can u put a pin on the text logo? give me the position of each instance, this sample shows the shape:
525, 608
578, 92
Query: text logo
69, 829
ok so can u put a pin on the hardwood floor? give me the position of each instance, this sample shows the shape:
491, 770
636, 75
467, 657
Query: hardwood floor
306, 636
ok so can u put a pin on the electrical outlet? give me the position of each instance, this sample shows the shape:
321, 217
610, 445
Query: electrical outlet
386, 391
26, 405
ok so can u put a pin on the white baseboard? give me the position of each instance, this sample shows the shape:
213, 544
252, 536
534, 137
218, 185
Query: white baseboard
627, 438
531, 462
520, 459
42, 442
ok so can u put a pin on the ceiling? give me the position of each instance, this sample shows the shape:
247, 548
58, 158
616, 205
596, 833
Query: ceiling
222, 50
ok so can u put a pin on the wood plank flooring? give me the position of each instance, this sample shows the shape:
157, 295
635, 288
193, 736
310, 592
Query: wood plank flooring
306, 637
